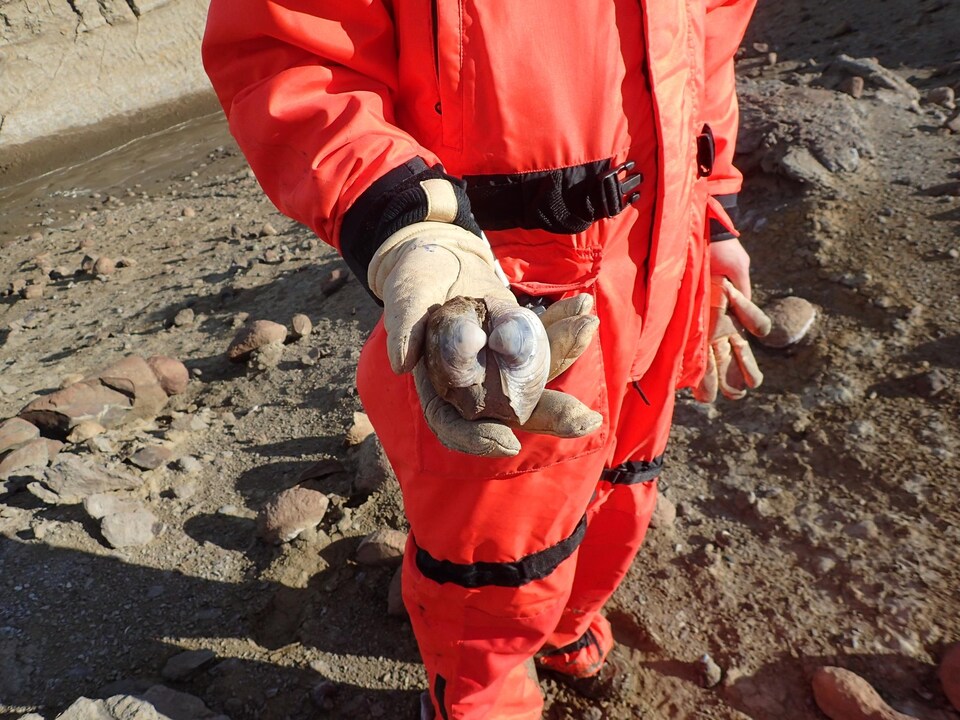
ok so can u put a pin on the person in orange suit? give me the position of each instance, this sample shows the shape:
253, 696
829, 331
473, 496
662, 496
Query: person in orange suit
573, 158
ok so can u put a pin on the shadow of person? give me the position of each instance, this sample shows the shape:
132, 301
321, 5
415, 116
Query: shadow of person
72, 621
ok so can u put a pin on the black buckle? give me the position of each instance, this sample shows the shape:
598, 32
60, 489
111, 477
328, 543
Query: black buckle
706, 152
616, 194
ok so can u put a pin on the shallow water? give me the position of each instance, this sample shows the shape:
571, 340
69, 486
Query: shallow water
140, 162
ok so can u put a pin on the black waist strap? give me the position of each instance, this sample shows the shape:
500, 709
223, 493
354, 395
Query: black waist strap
535, 566
564, 201
634, 472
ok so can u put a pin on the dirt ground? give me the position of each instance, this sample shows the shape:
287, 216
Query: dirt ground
818, 522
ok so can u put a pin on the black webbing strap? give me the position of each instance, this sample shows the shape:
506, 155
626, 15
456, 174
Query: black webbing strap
585, 640
634, 472
717, 230
564, 201
535, 566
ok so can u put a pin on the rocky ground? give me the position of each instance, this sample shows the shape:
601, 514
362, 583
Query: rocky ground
817, 523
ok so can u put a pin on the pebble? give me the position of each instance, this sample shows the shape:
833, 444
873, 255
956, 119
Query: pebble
72, 478
953, 122
268, 230
335, 280
104, 266
184, 489
291, 512
102, 504
129, 529
271, 257
184, 317
843, 695
863, 530
664, 514
151, 457
309, 359
852, 86
16, 432
382, 547
791, 319
931, 384
359, 431
710, 672
83, 431
944, 95
189, 464
32, 292
188, 212
301, 326
255, 335
171, 373
823, 564
61, 272
34, 454
267, 356
373, 468
182, 665
949, 674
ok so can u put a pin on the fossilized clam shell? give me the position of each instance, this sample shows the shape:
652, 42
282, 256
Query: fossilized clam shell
455, 339
498, 372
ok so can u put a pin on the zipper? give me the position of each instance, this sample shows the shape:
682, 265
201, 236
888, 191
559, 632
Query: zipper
435, 18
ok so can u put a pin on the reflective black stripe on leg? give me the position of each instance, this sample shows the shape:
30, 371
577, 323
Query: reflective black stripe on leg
440, 692
535, 566
585, 640
634, 472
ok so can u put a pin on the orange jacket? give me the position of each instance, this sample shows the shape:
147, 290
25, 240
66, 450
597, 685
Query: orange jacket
326, 97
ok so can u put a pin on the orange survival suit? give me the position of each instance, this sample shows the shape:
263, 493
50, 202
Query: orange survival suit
595, 144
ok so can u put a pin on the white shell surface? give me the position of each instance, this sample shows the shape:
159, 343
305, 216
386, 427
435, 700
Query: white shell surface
522, 350
460, 349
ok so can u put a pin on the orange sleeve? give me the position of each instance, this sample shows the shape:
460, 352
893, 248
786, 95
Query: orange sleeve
726, 24
306, 86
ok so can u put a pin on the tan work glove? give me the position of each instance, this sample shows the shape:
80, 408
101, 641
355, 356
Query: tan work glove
422, 266
731, 366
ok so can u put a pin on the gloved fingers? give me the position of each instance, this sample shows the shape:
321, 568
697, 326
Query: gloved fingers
422, 274
569, 337
749, 369
729, 376
562, 415
747, 313
405, 320
486, 438
706, 391
581, 304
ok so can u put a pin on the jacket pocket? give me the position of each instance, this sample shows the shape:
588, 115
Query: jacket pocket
585, 380
447, 18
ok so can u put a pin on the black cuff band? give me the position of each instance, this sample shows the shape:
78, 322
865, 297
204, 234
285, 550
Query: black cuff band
391, 203
718, 231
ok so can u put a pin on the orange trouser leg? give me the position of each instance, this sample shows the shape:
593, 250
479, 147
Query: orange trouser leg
618, 521
473, 651
492, 550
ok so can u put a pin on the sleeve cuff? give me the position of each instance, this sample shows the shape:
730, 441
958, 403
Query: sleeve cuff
722, 214
394, 201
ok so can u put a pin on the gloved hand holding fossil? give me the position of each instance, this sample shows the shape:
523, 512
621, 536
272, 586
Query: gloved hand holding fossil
488, 358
